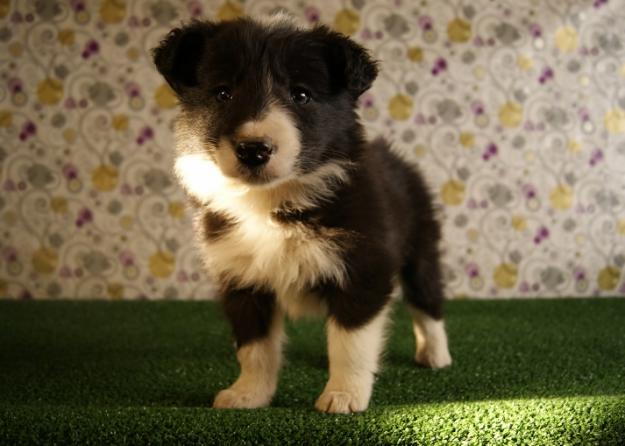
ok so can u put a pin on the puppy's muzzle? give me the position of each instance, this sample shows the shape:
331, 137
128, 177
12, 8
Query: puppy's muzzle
254, 153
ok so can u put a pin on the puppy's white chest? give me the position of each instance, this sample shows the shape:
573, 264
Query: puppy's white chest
256, 251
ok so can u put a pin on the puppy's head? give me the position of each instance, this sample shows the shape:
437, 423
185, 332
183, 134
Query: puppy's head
264, 102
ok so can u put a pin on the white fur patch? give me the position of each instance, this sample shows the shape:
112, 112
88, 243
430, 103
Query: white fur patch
431, 338
354, 359
260, 363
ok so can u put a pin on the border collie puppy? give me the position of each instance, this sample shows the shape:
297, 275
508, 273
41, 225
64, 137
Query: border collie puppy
295, 212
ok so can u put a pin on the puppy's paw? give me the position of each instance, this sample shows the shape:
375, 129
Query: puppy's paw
240, 399
434, 358
335, 401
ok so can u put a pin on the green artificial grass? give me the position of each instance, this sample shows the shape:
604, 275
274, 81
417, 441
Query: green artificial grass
543, 372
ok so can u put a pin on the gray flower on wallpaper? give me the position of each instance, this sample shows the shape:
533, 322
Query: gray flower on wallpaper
116, 158
609, 42
556, 117
56, 240
396, 25
61, 71
5, 34
358, 4
500, 195
156, 180
163, 12
468, 57
54, 289
58, 120
468, 11
518, 141
464, 173
95, 262
114, 207
448, 110
39, 175
573, 65
412, 87
172, 244
516, 257
507, 33
570, 178
121, 38
569, 225
607, 200
552, 277
520, 95
101, 93
47, 9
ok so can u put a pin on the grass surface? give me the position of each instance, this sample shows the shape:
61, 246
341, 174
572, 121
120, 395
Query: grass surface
525, 372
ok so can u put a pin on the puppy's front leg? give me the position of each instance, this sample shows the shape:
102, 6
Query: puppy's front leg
257, 323
353, 355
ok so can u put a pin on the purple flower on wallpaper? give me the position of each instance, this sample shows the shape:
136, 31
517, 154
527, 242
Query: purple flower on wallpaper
132, 89
182, 276
529, 191
91, 47
15, 85
366, 100
491, 151
425, 23
28, 129
195, 8
312, 14
70, 171
145, 134
541, 234
579, 274
524, 287
126, 258
596, 157
440, 65
16, 17
65, 272
9, 186
546, 75
9, 254
84, 216
599, 3
472, 270
477, 107
536, 30
126, 189
78, 5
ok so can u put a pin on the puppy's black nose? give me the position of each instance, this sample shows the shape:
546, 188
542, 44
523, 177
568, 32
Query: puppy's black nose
253, 153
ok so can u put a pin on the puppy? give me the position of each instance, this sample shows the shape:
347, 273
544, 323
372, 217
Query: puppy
294, 211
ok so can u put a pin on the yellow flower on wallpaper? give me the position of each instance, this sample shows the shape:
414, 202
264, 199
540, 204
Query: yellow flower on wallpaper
164, 97
6, 118
59, 205
120, 122
347, 21
400, 107
44, 260
115, 290
66, 37
561, 197
162, 264
452, 192
230, 11
574, 146
104, 178
519, 223
566, 39
176, 209
609, 278
112, 11
505, 275
524, 62
415, 54
467, 139
50, 91
5, 7
621, 226
69, 135
459, 30
615, 120
511, 114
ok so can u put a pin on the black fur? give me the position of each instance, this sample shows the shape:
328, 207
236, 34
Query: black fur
216, 224
385, 207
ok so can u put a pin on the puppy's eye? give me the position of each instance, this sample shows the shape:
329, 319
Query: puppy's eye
223, 94
300, 95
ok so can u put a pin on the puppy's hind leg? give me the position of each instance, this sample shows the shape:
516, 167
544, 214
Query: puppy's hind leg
423, 292
257, 323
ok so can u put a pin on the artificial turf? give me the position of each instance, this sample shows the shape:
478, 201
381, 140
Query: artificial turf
525, 372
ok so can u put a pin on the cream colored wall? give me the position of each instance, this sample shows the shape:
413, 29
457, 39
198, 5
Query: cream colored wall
515, 110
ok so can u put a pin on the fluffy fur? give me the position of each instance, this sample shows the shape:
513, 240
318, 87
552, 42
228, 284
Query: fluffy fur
295, 212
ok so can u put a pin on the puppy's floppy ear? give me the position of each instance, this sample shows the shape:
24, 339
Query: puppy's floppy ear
349, 62
179, 54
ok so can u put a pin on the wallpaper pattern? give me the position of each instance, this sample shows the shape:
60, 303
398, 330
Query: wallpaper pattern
514, 108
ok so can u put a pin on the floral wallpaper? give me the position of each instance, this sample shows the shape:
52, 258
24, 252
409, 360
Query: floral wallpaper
515, 110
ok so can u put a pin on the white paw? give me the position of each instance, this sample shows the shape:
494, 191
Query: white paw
241, 399
334, 401
434, 358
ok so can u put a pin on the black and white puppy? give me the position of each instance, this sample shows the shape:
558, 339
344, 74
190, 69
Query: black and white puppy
295, 212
